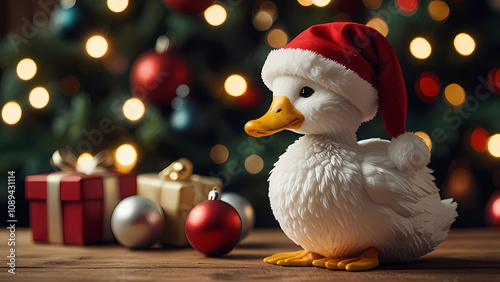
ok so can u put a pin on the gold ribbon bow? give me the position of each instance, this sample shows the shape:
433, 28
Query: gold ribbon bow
67, 162
180, 170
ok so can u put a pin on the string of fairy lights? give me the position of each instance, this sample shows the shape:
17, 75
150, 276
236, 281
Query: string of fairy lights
427, 86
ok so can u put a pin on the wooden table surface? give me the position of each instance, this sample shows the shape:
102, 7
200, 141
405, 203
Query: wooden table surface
466, 255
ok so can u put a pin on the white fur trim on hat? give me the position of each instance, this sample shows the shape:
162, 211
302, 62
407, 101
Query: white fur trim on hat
409, 152
327, 73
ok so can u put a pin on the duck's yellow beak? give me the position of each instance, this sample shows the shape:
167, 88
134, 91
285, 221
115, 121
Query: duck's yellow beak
281, 115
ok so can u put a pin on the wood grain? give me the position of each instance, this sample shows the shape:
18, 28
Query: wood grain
466, 255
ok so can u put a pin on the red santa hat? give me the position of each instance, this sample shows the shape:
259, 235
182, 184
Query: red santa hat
352, 60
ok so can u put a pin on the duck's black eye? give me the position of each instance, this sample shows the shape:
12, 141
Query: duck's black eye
306, 92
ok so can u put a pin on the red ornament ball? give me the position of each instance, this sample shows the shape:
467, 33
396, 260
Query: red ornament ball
492, 211
154, 76
189, 7
213, 228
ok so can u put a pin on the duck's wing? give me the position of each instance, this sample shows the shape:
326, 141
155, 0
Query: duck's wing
386, 184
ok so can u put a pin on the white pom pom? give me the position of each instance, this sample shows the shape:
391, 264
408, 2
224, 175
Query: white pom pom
409, 152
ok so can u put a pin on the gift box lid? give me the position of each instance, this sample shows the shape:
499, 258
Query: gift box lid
75, 187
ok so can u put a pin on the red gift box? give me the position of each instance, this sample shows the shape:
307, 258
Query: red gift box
75, 208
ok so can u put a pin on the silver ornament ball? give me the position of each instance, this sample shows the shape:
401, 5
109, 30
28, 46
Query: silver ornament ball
137, 222
244, 209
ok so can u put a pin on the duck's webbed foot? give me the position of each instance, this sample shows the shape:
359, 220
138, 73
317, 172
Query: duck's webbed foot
300, 258
367, 260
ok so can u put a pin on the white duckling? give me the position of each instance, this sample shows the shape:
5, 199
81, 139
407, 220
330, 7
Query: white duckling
348, 204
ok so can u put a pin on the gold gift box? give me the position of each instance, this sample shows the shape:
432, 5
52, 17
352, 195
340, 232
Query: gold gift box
177, 191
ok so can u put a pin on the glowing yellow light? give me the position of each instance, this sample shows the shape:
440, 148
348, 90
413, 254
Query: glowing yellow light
305, 3
84, 159
215, 15
277, 38
420, 48
380, 25
235, 85
438, 10
97, 46
454, 94
372, 4
26, 69
425, 137
321, 3
494, 145
117, 6
262, 21
39, 97
126, 155
133, 109
11, 113
464, 44
219, 154
254, 164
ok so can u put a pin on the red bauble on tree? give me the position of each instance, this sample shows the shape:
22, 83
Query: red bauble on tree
213, 227
492, 210
154, 76
189, 7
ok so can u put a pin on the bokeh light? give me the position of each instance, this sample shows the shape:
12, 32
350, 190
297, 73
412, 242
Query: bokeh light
494, 145
277, 38
84, 159
479, 139
250, 99
70, 85
215, 15
494, 4
117, 6
420, 48
254, 164
438, 10
425, 137
235, 85
495, 208
407, 7
372, 4
270, 8
262, 20
494, 80
26, 69
379, 24
39, 97
97, 46
219, 154
182, 91
11, 113
464, 44
428, 86
460, 184
133, 109
115, 62
454, 94
321, 3
305, 3
67, 4
125, 156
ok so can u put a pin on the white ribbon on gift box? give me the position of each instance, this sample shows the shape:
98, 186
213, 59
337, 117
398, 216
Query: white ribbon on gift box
66, 161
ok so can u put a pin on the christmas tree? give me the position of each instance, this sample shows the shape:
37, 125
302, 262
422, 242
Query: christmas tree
154, 81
